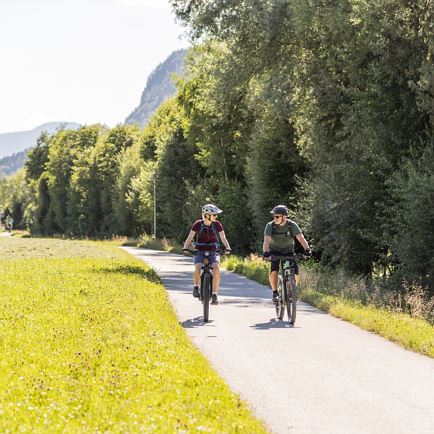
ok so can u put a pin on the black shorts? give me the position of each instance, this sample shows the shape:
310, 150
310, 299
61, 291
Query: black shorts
275, 263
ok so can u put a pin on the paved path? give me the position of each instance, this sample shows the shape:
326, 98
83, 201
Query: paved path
321, 376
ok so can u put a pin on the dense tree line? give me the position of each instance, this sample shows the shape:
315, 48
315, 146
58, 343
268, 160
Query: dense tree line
327, 106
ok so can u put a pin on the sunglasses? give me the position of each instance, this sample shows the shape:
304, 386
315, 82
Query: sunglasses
277, 216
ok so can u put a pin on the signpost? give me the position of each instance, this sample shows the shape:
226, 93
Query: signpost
155, 208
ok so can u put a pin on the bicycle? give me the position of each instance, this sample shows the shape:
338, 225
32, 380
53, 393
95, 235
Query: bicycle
206, 277
286, 286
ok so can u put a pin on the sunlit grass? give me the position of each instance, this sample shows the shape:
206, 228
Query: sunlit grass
148, 242
89, 343
21, 248
412, 333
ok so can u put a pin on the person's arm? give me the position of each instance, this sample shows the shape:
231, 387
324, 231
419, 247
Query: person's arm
223, 239
189, 239
266, 244
303, 242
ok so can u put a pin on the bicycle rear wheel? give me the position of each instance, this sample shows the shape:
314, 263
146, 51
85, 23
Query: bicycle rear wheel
291, 304
280, 307
206, 292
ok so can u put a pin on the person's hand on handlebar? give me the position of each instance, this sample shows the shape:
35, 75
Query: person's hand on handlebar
266, 255
308, 253
228, 251
186, 252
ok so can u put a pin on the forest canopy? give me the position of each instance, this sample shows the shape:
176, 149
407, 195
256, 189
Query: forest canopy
327, 107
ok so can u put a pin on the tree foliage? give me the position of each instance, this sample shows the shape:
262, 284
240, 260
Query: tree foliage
325, 106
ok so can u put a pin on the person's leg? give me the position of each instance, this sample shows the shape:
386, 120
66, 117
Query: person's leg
216, 277
274, 273
296, 274
196, 274
215, 282
215, 261
273, 278
198, 259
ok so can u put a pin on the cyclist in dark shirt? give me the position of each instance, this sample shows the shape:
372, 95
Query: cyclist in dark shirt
208, 231
279, 237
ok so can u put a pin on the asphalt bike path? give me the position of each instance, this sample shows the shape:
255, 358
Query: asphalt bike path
322, 375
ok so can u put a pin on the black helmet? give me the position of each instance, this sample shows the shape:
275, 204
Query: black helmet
279, 209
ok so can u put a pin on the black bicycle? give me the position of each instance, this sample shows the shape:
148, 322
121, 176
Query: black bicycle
206, 277
286, 287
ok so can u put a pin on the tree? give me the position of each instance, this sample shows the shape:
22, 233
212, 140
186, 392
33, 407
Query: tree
412, 220
106, 153
132, 197
176, 169
357, 115
14, 196
65, 148
37, 158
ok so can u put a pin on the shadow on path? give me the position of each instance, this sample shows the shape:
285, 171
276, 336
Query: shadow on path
274, 324
195, 322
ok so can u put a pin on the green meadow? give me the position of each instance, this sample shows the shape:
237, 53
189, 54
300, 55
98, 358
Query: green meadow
89, 343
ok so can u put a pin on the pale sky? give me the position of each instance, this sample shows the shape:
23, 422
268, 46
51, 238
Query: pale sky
82, 61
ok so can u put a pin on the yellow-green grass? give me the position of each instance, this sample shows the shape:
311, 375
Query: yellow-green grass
411, 333
148, 242
23, 248
89, 343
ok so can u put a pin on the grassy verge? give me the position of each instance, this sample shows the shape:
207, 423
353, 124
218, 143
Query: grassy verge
89, 343
411, 333
148, 242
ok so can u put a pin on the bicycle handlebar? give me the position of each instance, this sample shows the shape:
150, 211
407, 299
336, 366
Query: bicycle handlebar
195, 252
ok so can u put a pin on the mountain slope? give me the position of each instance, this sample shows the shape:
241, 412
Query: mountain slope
159, 87
9, 165
12, 143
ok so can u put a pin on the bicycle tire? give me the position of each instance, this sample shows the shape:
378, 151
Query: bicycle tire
280, 308
291, 304
206, 291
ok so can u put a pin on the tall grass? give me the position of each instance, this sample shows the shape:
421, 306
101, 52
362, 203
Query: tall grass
149, 242
412, 300
89, 343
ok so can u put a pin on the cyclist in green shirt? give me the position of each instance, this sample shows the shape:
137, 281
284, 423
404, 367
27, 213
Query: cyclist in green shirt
279, 237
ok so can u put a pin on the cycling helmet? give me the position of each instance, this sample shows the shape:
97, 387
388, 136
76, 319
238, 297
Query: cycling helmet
209, 208
279, 209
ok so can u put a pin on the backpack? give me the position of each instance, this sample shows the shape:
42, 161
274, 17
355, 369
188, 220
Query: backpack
288, 233
201, 229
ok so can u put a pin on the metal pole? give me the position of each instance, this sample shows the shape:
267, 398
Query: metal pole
155, 211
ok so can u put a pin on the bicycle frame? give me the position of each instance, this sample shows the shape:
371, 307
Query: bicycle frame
286, 287
206, 282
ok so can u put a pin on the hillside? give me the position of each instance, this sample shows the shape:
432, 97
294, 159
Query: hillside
12, 143
159, 87
9, 165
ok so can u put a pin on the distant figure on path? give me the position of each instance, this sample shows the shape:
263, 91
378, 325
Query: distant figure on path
9, 223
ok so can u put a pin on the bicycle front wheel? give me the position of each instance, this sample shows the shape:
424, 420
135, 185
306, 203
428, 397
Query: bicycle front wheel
206, 292
291, 304
280, 306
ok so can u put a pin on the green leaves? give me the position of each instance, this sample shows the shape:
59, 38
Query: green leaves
315, 104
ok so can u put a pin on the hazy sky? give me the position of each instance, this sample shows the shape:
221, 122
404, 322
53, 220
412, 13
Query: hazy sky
81, 61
